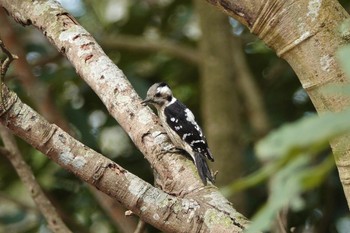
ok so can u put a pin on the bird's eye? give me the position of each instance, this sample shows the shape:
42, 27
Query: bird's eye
157, 95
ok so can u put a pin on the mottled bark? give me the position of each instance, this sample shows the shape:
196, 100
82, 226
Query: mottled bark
201, 210
54, 221
196, 208
306, 34
38, 91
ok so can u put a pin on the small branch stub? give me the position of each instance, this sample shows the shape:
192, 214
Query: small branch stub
4, 65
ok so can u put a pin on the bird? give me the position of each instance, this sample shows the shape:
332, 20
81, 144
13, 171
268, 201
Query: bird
181, 127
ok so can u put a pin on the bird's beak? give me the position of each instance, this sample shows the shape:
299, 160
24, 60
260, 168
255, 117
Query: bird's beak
146, 101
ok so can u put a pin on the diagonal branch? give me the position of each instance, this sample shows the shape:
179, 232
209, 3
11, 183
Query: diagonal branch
36, 90
166, 212
307, 48
112, 87
13, 154
45, 105
199, 208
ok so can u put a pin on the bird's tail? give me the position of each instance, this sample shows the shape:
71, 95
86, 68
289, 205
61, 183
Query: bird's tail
203, 169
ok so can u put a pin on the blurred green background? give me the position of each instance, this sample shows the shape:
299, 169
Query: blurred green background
238, 89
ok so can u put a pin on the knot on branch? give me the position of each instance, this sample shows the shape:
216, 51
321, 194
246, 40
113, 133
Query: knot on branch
285, 24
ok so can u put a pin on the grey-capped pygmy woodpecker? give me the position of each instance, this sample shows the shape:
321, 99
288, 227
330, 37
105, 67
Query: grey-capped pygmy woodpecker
181, 127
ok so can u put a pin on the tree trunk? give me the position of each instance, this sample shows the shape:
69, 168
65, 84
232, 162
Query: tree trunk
219, 99
306, 34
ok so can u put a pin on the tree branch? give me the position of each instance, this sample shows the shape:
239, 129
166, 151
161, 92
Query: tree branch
305, 44
139, 44
43, 101
197, 206
37, 90
13, 154
166, 212
256, 113
140, 227
111, 85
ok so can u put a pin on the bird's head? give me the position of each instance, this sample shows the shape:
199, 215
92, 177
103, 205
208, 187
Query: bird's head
159, 94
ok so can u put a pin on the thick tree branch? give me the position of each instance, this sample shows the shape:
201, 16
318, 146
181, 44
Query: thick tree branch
111, 85
12, 152
34, 88
206, 212
174, 174
247, 87
244, 11
43, 101
306, 34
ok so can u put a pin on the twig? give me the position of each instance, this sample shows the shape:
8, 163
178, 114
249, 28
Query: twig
115, 211
281, 219
5, 63
13, 154
140, 227
248, 88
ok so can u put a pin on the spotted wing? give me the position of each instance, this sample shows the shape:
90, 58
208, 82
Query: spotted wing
181, 120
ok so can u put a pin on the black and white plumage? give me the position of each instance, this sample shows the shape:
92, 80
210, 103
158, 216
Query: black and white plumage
181, 127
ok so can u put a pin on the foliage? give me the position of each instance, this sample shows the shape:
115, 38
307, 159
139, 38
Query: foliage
295, 151
296, 156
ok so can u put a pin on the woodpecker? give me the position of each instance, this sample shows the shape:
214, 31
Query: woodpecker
180, 125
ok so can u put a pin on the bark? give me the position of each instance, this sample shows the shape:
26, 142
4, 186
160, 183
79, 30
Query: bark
197, 209
219, 100
12, 152
246, 86
306, 34
43, 101
41, 96
203, 209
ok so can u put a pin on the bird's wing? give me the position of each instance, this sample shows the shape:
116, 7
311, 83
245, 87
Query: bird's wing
181, 120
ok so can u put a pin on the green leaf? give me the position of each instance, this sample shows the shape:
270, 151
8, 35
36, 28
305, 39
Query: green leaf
336, 90
344, 28
253, 179
309, 134
285, 188
343, 55
287, 185
313, 177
